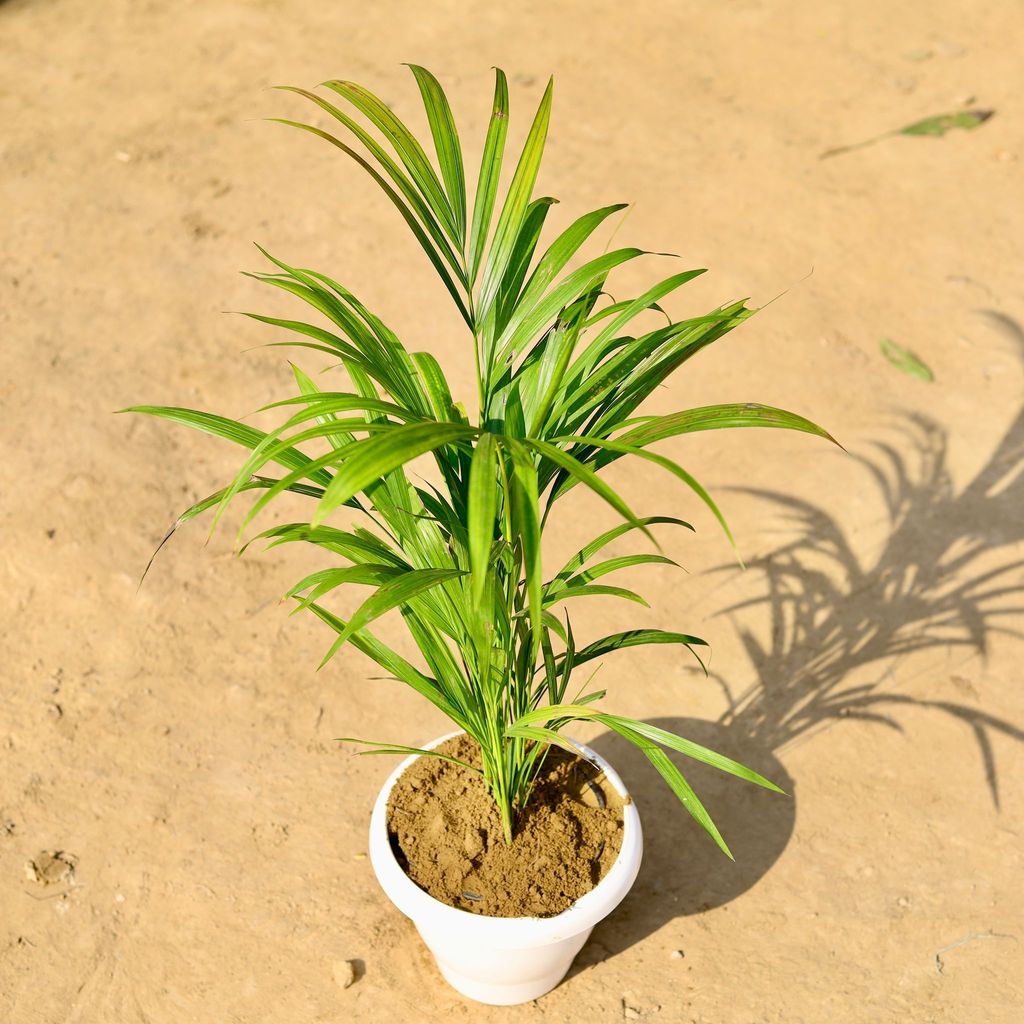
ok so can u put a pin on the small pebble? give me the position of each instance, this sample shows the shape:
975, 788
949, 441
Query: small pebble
676, 954
123, 156
344, 972
51, 867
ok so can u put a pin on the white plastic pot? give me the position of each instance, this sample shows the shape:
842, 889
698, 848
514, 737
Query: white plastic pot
504, 960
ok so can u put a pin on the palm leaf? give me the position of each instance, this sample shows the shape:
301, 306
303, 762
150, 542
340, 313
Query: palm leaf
516, 201
446, 144
490, 170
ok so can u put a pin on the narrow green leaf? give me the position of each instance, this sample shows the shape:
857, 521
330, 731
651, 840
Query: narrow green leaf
232, 430
571, 590
369, 460
394, 664
390, 595
934, 126
717, 417
490, 170
397, 748
905, 360
551, 370
559, 253
359, 546
942, 123
405, 145
526, 519
516, 201
435, 386
332, 342
446, 143
519, 262
214, 499
678, 784
693, 750
413, 197
325, 580
580, 559
545, 736
628, 311
414, 225
620, 448
529, 320
609, 565
482, 510
578, 471
638, 638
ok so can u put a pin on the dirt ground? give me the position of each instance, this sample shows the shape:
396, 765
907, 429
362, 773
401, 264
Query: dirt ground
176, 745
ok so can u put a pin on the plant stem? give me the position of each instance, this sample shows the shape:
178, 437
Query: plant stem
505, 810
497, 783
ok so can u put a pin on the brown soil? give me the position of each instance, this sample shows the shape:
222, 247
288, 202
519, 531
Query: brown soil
446, 833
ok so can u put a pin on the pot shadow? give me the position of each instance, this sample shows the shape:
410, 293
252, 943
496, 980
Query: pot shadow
946, 575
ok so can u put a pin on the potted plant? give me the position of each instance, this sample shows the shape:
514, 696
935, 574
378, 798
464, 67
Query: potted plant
562, 370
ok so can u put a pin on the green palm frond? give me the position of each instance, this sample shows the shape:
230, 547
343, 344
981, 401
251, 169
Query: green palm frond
562, 371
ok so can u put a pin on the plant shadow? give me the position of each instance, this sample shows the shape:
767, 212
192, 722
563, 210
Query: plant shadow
947, 575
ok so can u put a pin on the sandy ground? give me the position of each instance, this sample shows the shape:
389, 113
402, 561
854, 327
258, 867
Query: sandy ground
177, 744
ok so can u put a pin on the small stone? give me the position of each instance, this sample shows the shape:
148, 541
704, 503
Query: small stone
473, 843
344, 972
676, 954
51, 867
119, 898
903, 901
123, 156
1005, 156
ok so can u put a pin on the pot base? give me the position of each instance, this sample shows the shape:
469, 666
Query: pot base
503, 977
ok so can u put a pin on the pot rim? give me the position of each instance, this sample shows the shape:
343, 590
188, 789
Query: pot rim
510, 932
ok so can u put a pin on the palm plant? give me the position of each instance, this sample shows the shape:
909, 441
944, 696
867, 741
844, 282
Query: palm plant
560, 380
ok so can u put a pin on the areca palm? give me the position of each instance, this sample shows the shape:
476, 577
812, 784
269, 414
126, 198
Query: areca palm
562, 371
